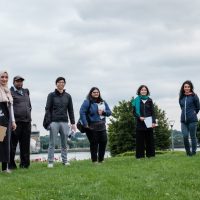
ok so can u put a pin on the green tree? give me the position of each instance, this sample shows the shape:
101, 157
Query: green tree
121, 130
198, 131
162, 131
44, 142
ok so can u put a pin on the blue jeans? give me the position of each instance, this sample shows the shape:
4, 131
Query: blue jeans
63, 129
189, 128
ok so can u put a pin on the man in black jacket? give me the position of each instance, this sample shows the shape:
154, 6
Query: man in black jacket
22, 114
58, 107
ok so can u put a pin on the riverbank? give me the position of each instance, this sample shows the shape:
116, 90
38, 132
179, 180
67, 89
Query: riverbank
69, 150
84, 155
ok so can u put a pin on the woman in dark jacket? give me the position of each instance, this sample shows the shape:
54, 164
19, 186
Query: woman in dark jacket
6, 121
145, 122
93, 113
189, 103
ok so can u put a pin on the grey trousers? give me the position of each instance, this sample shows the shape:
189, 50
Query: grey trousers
63, 129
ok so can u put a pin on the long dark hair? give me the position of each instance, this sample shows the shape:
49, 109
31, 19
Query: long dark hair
181, 94
141, 86
90, 98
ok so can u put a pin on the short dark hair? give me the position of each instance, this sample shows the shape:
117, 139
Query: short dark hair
188, 82
60, 79
141, 86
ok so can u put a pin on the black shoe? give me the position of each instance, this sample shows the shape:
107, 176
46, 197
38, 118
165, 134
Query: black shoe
23, 167
193, 153
188, 153
12, 167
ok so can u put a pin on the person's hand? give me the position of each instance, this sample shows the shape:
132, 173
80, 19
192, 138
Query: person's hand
73, 127
142, 118
14, 126
100, 112
88, 127
153, 125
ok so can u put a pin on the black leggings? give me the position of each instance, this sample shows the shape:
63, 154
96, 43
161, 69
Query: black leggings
98, 141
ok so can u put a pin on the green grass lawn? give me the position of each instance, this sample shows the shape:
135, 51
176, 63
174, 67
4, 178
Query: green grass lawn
168, 176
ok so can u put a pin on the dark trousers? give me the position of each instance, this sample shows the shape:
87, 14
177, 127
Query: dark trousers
98, 141
22, 135
189, 129
4, 166
145, 141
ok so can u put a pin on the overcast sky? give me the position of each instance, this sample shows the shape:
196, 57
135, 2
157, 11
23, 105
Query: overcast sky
116, 45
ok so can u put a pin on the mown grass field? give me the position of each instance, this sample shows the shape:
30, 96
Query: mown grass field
169, 176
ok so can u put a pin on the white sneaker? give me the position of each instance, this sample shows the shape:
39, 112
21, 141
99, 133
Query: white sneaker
50, 165
7, 171
66, 164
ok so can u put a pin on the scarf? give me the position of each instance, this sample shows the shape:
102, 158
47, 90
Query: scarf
5, 95
187, 94
136, 103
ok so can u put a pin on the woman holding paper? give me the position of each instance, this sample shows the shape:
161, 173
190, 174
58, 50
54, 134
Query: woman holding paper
189, 103
145, 122
93, 113
7, 121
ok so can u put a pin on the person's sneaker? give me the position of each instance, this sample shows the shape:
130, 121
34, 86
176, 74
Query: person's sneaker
95, 163
50, 165
66, 164
7, 171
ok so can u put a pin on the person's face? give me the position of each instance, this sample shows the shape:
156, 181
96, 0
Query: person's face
60, 85
95, 93
4, 79
187, 88
143, 91
18, 84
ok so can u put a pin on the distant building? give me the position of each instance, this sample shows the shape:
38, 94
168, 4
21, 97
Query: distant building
35, 140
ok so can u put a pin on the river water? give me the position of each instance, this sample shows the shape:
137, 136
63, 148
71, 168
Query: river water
74, 155
57, 156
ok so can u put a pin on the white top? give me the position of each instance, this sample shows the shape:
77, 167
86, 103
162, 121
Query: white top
12, 113
144, 101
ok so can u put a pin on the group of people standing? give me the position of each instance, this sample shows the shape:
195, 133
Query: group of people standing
143, 109
15, 121
92, 113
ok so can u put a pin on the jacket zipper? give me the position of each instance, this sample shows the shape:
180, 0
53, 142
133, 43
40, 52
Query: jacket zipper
185, 108
144, 110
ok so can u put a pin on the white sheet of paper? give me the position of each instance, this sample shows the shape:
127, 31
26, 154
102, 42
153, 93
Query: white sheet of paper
101, 106
148, 122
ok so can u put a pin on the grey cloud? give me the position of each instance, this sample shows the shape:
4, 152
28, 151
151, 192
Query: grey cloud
114, 45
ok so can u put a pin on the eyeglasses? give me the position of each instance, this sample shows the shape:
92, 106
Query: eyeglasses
95, 92
61, 82
4, 76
